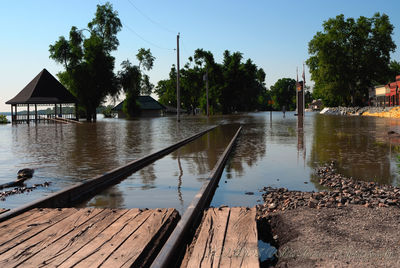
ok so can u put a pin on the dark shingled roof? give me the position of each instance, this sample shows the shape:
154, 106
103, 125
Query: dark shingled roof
43, 89
146, 103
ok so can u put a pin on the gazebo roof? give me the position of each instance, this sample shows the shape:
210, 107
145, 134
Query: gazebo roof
43, 89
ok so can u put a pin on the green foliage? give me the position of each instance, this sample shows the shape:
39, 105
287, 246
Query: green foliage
284, 94
394, 69
88, 61
133, 82
3, 119
107, 111
233, 85
349, 56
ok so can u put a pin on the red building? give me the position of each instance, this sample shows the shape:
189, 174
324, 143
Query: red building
393, 92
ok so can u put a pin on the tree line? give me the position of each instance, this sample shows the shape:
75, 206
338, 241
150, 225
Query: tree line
234, 85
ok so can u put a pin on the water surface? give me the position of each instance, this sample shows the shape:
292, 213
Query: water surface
278, 151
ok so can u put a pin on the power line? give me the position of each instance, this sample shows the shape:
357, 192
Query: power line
147, 41
151, 20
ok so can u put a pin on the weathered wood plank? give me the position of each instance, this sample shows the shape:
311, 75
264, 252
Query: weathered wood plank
241, 241
89, 238
227, 238
12, 236
143, 236
207, 250
19, 219
57, 252
22, 219
40, 240
93, 254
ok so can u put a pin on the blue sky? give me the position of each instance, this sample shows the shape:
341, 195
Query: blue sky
274, 34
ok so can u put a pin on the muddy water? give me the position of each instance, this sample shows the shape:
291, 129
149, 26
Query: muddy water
281, 152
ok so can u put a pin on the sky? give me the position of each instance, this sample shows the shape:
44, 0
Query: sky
274, 34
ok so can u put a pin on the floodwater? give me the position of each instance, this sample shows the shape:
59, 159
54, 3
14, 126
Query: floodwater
278, 151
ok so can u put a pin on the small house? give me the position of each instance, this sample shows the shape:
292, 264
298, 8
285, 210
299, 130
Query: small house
149, 107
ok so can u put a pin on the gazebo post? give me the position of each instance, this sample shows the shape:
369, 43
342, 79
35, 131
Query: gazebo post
16, 113
27, 118
76, 112
12, 113
55, 111
35, 113
61, 110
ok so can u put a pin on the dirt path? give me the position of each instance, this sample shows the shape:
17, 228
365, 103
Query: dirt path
354, 236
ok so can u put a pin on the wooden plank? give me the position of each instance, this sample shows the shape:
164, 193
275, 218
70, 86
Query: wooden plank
241, 241
128, 253
12, 236
40, 240
57, 252
93, 254
207, 250
20, 219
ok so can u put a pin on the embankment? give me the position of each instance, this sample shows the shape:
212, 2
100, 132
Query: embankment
352, 224
389, 112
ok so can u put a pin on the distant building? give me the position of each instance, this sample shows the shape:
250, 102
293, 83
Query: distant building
392, 92
315, 105
385, 95
149, 107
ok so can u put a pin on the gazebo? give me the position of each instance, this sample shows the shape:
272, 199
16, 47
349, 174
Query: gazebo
43, 90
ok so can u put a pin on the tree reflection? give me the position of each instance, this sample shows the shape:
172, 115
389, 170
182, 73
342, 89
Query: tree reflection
355, 144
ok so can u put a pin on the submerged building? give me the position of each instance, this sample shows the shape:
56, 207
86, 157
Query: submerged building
149, 107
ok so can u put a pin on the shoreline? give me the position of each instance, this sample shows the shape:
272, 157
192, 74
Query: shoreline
352, 224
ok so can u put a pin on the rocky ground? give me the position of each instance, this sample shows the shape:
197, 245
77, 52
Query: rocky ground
354, 110
342, 192
21, 190
352, 224
389, 112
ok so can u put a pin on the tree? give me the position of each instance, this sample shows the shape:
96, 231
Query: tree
133, 82
88, 61
284, 94
394, 70
129, 78
350, 56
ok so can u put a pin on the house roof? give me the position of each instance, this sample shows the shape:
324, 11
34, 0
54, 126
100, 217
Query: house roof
146, 103
43, 89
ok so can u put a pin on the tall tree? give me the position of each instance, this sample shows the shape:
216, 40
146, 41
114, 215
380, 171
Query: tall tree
133, 82
129, 79
349, 56
284, 94
88, 61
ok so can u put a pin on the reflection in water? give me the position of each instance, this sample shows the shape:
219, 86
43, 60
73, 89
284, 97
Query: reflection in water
173, 180
300, 139
269, 152
357, 144
180, 180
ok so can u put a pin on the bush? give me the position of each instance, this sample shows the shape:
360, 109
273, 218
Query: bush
3, 119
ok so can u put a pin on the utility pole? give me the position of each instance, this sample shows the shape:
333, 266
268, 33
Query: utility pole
206, 78
178, 97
